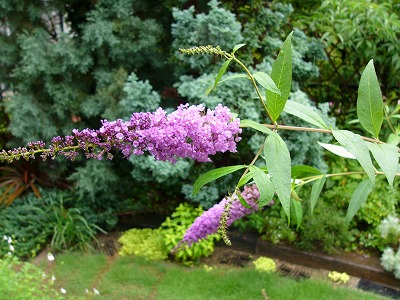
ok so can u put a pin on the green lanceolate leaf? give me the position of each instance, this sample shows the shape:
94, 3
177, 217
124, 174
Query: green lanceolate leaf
358, 198
255, 125
212, 175
219, 75
277, 159
266, 82
298, 211
305, 113
387, 157
358, 147
304, 171
241, 199
237, 47
316, 191
234, 76
282, 76
264, 186
245, 179
369, 101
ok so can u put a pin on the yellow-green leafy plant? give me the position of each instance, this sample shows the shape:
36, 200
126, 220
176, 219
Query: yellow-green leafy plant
265, 264
174, 228
339, 277
208, 268
148, 243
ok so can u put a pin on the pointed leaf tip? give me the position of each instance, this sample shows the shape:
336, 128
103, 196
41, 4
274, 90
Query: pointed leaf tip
369, 102
358, 198
213, 175
237, 47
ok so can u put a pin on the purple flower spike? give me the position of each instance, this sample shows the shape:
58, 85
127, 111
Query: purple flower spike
209, 222
187, 133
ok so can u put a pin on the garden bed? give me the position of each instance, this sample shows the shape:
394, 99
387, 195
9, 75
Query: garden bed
363, 266
366, 267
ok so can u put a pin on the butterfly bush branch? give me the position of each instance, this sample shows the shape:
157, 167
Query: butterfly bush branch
188, 132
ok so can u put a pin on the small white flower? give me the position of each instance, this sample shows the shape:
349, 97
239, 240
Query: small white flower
86, 291
63, 290
96, 291
50, 256
53, 278
9, 253
11, 248
9, 240
5, 237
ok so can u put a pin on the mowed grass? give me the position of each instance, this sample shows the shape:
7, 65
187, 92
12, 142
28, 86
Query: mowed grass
136, 278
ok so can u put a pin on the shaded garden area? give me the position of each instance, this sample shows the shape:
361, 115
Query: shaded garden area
291, 132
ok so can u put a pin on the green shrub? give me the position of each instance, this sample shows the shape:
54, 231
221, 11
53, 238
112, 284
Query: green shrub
253, 222
26, 223
173, 229
271, 223
325, 230
23, 280
70, 229
148, 243
389, 229
390, 261
381, 203
33, 222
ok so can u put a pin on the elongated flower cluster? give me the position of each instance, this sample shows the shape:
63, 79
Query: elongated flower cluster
190, 132
210, 221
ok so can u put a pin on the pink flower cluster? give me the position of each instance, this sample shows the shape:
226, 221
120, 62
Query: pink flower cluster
209, 222
188, 132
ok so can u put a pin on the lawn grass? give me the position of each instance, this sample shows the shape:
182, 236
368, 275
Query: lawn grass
136, 278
